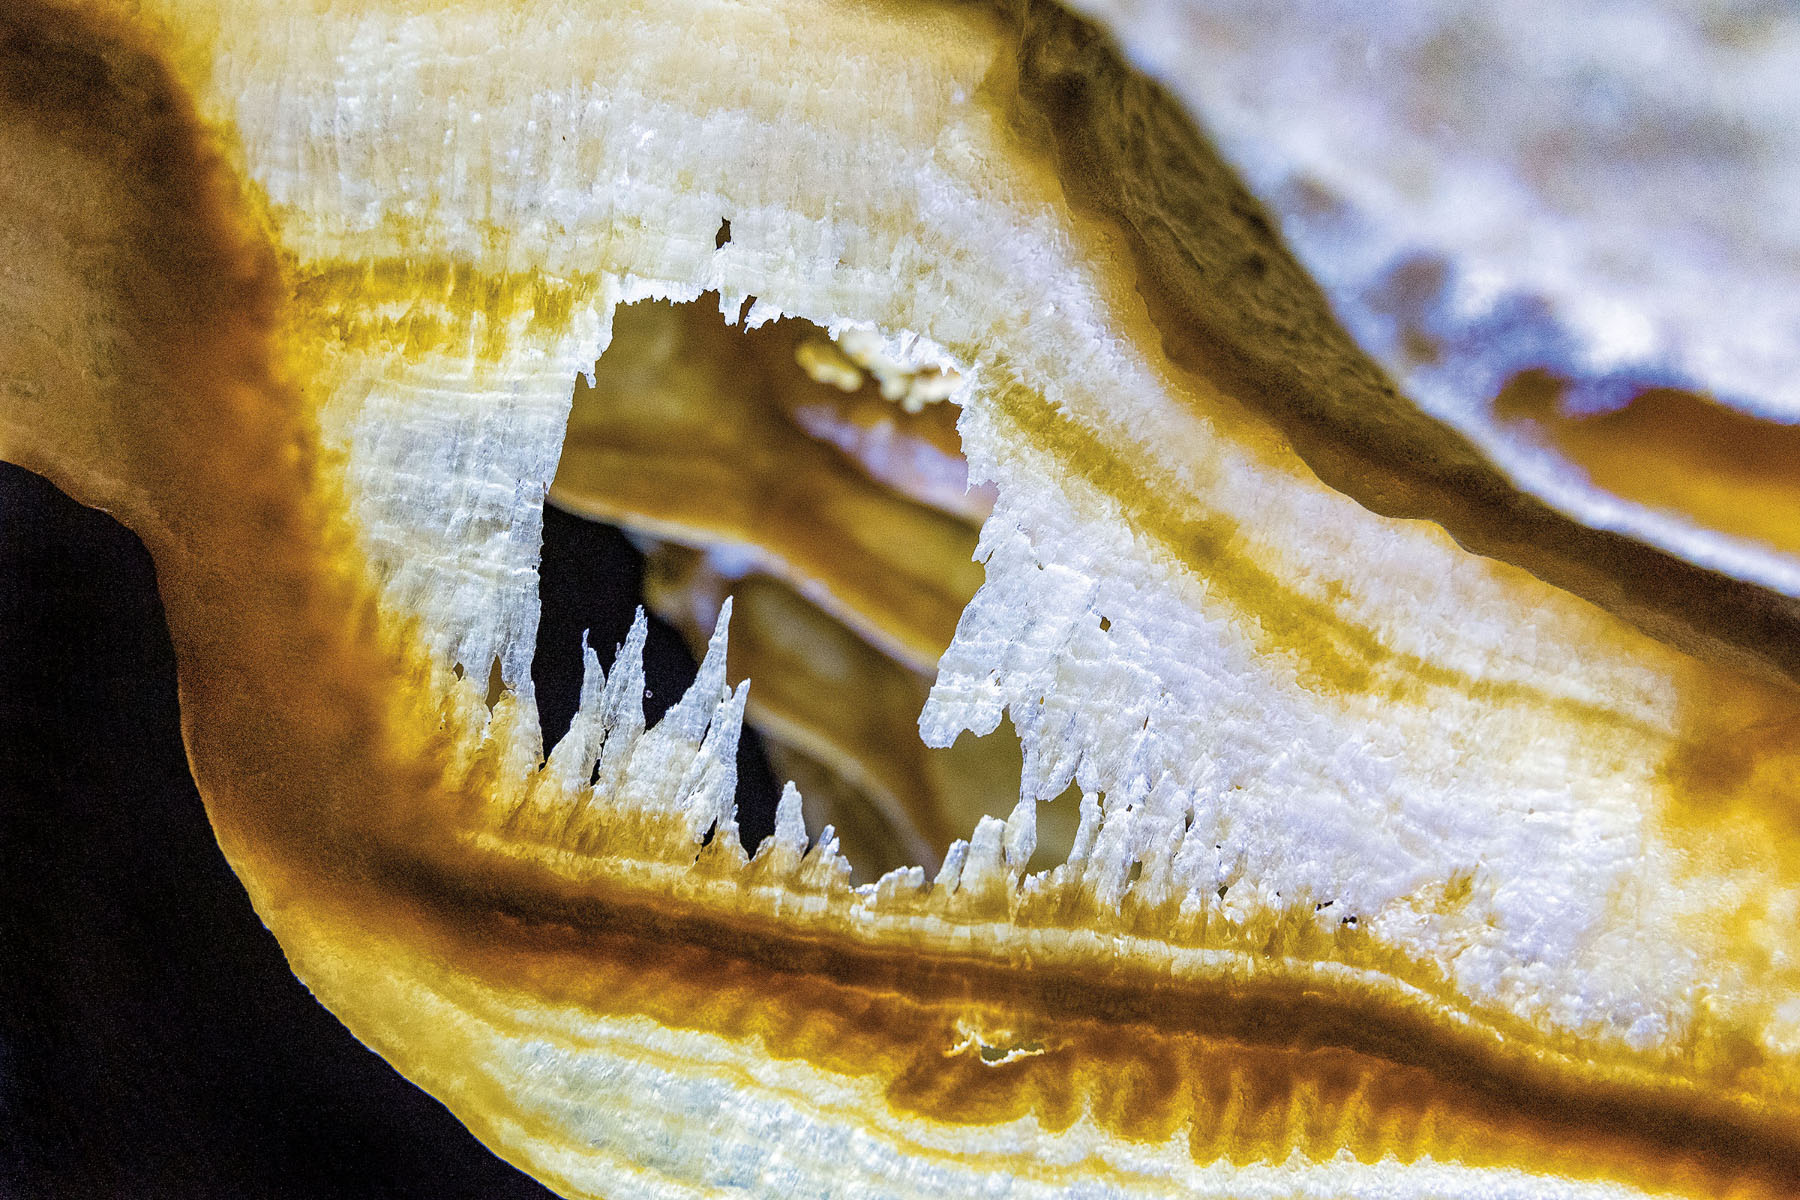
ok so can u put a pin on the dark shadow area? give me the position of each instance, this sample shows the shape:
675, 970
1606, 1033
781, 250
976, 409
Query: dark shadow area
152, 1041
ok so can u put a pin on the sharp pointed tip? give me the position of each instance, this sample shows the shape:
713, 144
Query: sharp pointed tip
790, 824
1019, 841
713, 663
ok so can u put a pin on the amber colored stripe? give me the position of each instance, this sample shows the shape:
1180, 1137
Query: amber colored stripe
1250, 1068
1334, 653
1676, 452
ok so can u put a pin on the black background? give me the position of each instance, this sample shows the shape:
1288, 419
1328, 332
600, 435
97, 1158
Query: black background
152, 1040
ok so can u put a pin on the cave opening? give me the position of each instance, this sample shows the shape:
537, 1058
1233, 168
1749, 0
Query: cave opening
819, 482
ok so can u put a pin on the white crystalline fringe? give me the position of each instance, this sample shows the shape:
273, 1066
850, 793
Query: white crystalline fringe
1032, 623
686, 764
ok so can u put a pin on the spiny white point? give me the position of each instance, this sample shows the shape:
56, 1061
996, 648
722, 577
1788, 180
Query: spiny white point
984, 857
708, 791
662, 769
621, 710
690, 715
573, 759
1020, 841
950, 874
593, 679
790, 825
898, 882
1085, 833
622, 697
824, 869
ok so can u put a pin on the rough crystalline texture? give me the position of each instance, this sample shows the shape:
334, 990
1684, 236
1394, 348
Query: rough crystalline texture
850, 555
1400, 871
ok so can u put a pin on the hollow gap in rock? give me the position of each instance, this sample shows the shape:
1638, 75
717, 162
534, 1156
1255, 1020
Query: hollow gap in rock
820, 483
496, 685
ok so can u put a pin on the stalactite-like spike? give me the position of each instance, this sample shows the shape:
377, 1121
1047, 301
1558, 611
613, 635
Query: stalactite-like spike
950, 873
654, 778
1116, 846
571, 763
824, 869
1085, 832
790, 825
984, 864
689, 716
708, 794
622, 710
1021, 833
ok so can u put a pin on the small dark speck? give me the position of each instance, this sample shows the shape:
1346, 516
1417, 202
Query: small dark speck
723, 236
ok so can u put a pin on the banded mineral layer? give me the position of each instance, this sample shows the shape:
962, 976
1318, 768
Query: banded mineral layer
1435, 835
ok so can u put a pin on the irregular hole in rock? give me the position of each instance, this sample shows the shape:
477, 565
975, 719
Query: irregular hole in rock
496, 685
820, 483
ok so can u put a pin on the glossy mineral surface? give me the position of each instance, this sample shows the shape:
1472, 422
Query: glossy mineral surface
1400, 870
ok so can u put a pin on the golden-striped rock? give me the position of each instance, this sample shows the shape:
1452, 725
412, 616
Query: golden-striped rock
1400, 871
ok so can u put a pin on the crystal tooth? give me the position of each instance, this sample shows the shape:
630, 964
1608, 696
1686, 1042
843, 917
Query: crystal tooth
824, 869
1108, 870
899, 882
691, 714
984, 864
1021, 833
710, 787
790, 825
1085, 833
622, 711
782, 852
660, 763
950, 874
571, 763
